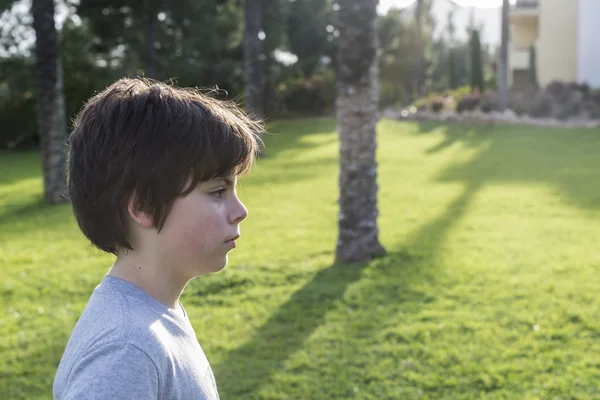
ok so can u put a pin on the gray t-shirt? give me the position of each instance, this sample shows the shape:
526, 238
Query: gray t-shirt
128, 345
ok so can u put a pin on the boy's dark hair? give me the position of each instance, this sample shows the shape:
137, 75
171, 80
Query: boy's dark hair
145, 137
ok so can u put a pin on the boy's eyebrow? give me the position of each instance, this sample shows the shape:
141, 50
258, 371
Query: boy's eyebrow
229, 181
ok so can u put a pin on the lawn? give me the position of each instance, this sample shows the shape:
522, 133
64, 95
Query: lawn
490, 289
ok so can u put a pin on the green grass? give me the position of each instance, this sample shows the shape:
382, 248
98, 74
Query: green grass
489, 291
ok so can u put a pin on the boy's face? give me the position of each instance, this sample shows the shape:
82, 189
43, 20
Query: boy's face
201, 227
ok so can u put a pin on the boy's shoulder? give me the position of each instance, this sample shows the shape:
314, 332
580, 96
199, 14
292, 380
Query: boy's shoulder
111, 315
120, 313
122, 324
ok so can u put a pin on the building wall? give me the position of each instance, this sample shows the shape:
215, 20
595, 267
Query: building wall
524, 33
557, 48
588, 60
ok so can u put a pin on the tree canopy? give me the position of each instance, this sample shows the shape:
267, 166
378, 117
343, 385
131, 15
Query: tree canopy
200, 43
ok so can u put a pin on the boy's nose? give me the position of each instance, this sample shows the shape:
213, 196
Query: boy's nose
239, 212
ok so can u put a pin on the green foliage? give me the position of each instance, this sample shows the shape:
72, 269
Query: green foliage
308, 34
452, 70
404, 65
489, 290
197, 42
17, 102
396, 40
308, 96
448, 97
450, 66
82, 76
460, 92
476, 71
491, 81
390, 94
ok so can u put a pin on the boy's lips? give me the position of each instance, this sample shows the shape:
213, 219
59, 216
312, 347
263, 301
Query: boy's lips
236, 237
231, 241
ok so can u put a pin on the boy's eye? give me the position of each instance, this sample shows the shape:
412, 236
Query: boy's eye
219, 193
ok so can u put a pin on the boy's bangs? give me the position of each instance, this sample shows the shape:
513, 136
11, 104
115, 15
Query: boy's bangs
233, 156
223, 149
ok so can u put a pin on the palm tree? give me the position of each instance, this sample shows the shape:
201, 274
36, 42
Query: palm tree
51, 102
503, 61
356, 109
419, 45
252, 51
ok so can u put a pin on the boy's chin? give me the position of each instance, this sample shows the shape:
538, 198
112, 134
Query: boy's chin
216, 266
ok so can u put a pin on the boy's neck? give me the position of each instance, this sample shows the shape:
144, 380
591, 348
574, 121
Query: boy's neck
155, 280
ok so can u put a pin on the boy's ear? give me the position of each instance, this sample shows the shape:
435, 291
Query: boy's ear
140, 217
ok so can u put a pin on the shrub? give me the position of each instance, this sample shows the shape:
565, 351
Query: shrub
308, 96
467, 103
592, 109
437, 105
520, 102
557, 89
573, 105
460, 92
542, 106
489, 102
422, 104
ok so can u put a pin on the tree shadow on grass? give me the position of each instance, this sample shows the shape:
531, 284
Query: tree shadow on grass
23, 210
252, 365
19, 165
254, 362
566, 159
468, 135
19, 219
292, 135
401, 284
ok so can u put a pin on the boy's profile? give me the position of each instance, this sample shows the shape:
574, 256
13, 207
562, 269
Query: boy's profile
152, 180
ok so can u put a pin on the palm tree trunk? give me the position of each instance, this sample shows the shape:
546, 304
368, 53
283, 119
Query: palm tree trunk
356, 109
503, 61
51, 102
252, 51
420, 73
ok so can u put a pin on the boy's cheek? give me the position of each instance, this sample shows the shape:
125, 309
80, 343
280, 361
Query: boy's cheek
197, 236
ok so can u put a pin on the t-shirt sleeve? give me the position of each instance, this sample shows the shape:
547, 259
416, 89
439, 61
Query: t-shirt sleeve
116, 371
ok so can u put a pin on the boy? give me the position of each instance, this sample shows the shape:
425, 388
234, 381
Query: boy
152, 180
